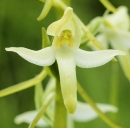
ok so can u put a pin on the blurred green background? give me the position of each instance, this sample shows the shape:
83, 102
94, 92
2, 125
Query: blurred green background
19, 28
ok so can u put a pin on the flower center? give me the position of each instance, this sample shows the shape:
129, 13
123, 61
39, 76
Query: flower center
65, 38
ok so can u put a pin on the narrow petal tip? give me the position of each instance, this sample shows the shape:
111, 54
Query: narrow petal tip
45, 10
8, 49
13, 49
43, 57
69, 9
71, 106
87, 59
121, 52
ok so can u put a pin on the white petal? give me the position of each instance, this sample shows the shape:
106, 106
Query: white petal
56, 27
76, 32
119, 19
28, 117
87, 59
84, 112
121, 38
124, 60
68, 22
43, 57
125, 63
66, 65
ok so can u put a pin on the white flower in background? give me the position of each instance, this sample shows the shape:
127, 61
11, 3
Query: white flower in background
28, 117
65, 50
115, 30
83, 113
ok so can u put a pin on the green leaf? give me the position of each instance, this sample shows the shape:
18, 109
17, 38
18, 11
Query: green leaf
38, 95
45, 39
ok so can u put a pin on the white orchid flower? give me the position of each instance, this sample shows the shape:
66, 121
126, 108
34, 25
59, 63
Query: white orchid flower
28, 117
115, 30
83, 113
65, 50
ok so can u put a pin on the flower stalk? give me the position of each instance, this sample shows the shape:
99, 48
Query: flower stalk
108, 5
113, 97
86, 97
114, 84
24, 85
42, 110
60, 117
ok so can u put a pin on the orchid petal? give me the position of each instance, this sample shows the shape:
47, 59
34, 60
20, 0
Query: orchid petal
119, 19
124, 60
23, 85
84, 112
125, 63
121, 38
76, 33
46, 9
67, 22
43, 57
28, 117
66, 65
87, 59
56, 27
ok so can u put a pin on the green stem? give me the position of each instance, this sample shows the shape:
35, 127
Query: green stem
114, 86
108, 5
60, 118
23, 85
42, 110
67, 2
59, 4
90, 36
86, 97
